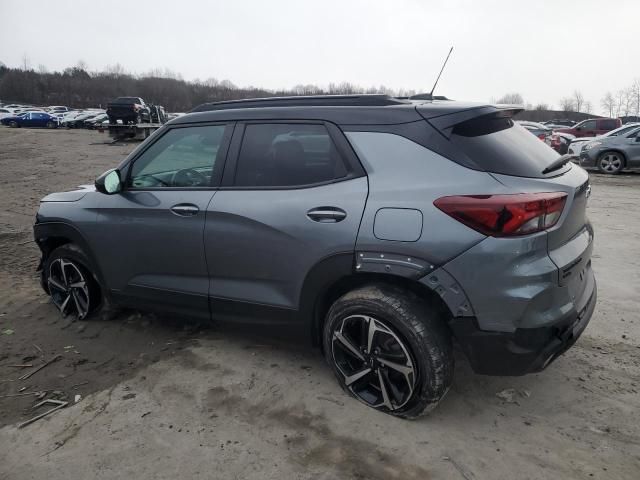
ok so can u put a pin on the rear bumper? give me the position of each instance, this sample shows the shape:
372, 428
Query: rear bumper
527, 350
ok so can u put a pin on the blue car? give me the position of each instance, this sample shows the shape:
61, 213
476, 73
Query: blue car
31, 119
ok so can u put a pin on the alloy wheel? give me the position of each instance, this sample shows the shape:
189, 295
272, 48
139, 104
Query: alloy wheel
374, 362
611, 162
68, 288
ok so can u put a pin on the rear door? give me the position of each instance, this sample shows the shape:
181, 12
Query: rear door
292, 198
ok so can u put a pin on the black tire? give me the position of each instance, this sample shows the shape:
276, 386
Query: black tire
611, 162
13, 124
410, 323
51, 125
73, 258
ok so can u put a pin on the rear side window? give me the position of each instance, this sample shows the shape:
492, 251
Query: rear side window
498, 145
608, 124
287, 155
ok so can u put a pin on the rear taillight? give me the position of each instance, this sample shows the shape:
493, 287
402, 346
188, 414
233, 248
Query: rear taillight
542, 136
505, 215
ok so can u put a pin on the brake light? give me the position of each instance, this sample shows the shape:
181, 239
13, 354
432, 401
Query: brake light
505, 215
542, 136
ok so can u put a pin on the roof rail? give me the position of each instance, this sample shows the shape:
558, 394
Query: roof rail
366, 100
427, 96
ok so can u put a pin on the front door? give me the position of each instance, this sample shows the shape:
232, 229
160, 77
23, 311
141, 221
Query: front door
294, 198
151, 247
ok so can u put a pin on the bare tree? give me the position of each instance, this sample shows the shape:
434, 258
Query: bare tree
578, 100
541, 106
588, 108
635, 94
511, 98
42, 69
608, 103
82, 65
621, 101
567, 104
26, 62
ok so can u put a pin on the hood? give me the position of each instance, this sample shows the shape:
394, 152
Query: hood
69, 196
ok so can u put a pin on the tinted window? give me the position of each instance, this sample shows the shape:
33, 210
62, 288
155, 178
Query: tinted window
588, 125
608, 124
497, 145
287, 155
182, 157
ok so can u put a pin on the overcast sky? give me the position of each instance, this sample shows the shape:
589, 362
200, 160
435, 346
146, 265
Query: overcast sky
542, 49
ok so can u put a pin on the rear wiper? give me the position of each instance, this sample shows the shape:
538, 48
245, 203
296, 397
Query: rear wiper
559, 162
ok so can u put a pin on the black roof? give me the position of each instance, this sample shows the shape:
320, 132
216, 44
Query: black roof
340, 109
369, 100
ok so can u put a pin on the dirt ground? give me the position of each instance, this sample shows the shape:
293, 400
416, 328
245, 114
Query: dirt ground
161, 398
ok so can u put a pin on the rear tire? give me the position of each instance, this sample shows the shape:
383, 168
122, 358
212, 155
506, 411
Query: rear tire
51, 125
389, 349
70, 283
611, 163
13, 124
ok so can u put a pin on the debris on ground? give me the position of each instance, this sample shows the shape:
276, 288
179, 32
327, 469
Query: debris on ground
77, 398
37, 369
59, 404
509, 395
7, 331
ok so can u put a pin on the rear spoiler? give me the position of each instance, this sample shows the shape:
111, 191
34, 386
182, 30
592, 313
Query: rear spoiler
444, 122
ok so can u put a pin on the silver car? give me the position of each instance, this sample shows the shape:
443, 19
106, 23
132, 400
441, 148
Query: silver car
577, 144
384, 228
612, 154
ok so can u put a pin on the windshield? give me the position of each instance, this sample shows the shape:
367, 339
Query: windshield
621, 131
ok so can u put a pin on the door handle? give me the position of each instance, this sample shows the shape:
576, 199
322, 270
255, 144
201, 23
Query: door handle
327, 214
185, 210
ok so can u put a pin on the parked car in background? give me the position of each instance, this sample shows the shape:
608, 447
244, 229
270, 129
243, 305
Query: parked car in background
576, 145
560, 141
614, 153
564, 122
538, 129
592, 127
31, 119
58, 108
6, 112
95, 121
78, 121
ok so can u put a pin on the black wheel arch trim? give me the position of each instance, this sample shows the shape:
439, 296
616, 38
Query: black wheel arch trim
45, 231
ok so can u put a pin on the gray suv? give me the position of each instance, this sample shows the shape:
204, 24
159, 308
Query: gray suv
388, 228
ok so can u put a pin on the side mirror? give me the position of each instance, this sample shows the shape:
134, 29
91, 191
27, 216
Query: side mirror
109, 182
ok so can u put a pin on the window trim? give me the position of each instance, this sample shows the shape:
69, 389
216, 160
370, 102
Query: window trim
345, 152
218, 169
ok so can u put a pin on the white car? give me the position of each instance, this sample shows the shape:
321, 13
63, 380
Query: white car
6, 112
58, 109
576, 145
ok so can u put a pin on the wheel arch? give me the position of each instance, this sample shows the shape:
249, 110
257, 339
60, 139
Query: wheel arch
51, 235
326, 283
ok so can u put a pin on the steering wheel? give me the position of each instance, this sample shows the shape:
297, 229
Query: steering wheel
189, 177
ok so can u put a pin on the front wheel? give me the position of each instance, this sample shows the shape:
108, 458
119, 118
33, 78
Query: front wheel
68, 281
389, 349
611, 163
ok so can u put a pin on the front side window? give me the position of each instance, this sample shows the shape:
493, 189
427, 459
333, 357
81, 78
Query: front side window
182, 157
589, 125
287, 155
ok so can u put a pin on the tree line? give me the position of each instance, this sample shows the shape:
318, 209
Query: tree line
79, 88
621, 104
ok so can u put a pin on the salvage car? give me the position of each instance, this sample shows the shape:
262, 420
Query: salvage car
128, 110
592, 127
613, 154
577, 144
386, 230
31, 119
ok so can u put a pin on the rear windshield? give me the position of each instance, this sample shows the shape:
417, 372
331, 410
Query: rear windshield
498, 145
128, 100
